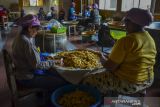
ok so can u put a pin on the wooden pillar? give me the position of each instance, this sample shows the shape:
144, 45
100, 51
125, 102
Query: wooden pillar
81, 6
119, 2
78, 6
20, 2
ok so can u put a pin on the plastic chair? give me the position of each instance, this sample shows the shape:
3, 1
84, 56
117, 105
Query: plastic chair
17, 93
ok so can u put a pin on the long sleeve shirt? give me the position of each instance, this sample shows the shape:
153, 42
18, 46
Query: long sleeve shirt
26, 57
71, 14
95, 16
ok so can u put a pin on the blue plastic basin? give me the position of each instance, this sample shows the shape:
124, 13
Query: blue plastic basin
70, 88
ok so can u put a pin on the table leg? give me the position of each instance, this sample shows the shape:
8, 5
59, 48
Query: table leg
69, 29
54, 42
75, 32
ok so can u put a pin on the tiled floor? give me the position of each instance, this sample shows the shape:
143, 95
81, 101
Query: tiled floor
6, 41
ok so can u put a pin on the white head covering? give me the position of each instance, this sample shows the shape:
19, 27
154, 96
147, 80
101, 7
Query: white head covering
28, 20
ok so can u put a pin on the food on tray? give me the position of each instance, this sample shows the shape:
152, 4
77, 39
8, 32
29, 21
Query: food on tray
84, 33
83, 59
76, 98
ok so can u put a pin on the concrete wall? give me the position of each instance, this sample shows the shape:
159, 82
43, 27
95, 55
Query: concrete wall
7, 3
34, 10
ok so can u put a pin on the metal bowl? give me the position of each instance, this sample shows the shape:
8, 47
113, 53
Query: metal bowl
75, 75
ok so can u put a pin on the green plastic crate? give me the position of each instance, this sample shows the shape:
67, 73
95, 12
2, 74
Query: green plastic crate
117, 34
58, 30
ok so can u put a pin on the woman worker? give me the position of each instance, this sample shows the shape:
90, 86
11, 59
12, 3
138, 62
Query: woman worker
27, 58
87, 11
72, 12
94, 15
131, 60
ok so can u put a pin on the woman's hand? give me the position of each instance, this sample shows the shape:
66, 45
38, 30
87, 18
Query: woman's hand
59, 62
103, 58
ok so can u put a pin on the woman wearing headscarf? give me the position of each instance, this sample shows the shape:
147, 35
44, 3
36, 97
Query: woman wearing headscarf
22, 12
41, 14
27, 58
87, 11
94, 16
72, 12
62, 14
2, 12
53, 13
130, 63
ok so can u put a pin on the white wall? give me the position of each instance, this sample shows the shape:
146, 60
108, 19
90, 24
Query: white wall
34, 10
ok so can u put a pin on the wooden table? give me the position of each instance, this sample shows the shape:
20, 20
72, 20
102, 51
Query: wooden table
71, 24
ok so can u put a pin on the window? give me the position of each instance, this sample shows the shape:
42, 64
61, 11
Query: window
107, 4
32, 2
128, 4
26, 3
145, 4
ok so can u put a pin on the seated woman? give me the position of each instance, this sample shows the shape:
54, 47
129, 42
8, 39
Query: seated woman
94, 15
72, 12
41, 14
27, 58
3, 12
61, 14
53, 13
87, 12
23, 13
130, 63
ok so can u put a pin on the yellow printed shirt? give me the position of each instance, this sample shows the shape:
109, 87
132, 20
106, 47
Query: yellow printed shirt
135, 54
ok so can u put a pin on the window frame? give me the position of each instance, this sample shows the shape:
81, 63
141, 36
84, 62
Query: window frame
28, 4
105, 7
138, 6
119, 6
